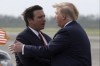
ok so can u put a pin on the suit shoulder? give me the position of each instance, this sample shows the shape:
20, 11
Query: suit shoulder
73, 27
23, 33
46, 35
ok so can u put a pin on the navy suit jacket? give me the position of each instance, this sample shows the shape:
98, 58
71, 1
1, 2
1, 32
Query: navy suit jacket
69, 47
29, 38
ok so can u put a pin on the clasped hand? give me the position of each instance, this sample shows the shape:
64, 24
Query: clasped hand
16, 47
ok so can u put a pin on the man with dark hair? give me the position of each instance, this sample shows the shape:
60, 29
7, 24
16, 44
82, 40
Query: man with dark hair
34, 18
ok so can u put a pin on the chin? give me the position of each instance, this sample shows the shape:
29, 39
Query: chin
42, 28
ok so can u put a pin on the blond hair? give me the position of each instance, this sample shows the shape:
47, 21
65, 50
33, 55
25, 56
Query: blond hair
69, 7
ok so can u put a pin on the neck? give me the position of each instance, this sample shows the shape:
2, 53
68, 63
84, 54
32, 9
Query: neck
65, 21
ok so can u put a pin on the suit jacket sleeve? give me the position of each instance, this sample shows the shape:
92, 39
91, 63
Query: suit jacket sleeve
18, 59
19, 56
58, 44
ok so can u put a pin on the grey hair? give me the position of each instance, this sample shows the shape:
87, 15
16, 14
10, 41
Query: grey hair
74, 15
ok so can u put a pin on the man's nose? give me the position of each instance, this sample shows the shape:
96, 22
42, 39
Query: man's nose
43, 19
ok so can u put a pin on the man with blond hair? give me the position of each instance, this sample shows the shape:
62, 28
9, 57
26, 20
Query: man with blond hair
70, 45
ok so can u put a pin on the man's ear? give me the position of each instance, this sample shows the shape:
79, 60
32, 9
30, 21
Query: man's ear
63, 17
29, 20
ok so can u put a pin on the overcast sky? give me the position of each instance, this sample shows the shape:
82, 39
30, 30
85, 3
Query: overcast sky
16, 7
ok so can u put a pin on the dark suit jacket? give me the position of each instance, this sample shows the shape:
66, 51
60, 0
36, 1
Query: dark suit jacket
69, 47
29, 38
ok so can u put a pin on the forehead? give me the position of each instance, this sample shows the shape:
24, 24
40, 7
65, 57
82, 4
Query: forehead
38, 12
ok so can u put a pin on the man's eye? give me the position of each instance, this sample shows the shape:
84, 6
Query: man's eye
41, 16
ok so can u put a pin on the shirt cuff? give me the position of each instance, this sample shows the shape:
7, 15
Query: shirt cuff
23, 49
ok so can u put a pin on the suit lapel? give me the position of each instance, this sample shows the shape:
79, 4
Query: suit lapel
36, 38
57, 33
32, 33
33, 37
45, 37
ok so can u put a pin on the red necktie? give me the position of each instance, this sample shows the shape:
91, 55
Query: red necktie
41, 38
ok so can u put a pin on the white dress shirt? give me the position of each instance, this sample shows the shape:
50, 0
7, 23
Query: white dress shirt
67, 23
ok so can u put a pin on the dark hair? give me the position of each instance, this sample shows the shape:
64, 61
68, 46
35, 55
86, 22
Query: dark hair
29, 13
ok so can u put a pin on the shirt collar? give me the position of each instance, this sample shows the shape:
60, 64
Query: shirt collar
34, 31
67, 23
